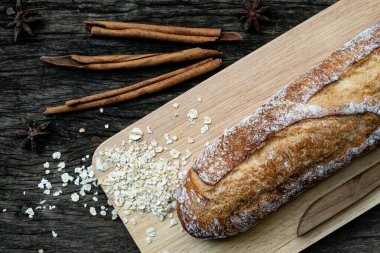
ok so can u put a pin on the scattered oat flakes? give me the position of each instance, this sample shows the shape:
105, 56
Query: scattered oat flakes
149, 240
82, 130
30, 212
47, 172
133, 221
204, 129
174, 137
120, 202
40, 251
95, 199
153, 143
66, 177
175, 153
106, 126
151, 232
54, 234
4, 210
181, 175
190, 140
101, 110
114, 214
175, 105
173, 222
75, 197
61, 165
103, 213
199, 99
149, 130
159, 149
46, 165
86, 187
168, 139
44, 184
188, 154
207, 120
192, 114
175, 114
57, 193
92, 211
135, 134
56, 155
206, 144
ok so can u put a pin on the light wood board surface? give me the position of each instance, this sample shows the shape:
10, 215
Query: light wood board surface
234, 93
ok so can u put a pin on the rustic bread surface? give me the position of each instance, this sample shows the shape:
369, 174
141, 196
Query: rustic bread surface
304, 133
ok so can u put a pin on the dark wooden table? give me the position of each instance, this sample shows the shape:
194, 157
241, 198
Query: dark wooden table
27, 85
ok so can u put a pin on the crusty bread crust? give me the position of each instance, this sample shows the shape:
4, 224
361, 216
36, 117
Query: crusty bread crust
303, 134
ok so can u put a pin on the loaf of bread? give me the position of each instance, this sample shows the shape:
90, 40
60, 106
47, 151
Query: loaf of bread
303, 134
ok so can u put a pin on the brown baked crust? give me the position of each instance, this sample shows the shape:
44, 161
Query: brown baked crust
303, 134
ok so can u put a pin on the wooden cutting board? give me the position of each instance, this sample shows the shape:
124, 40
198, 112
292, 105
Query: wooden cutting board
234, 93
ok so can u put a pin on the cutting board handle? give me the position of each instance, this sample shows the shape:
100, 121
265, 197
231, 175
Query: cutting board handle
339, 199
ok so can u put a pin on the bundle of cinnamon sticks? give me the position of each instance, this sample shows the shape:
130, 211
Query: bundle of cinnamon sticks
159, 32
145, 31
133, 91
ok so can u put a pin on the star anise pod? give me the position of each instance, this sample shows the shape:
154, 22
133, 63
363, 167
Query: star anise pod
33, 133
252, 13
21, 19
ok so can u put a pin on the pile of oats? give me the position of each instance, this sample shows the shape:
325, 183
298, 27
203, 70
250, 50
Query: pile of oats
139, 182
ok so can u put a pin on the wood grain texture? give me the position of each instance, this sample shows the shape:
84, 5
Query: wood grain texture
237, 91
27, 85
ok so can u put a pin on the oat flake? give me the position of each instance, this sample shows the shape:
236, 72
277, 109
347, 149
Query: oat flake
135, 134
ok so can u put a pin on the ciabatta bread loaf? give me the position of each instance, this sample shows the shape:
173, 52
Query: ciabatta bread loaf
303, 134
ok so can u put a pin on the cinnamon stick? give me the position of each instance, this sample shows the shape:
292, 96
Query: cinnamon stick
112, 25
152, 35
111, 62
109, 58
159, 32
191, 72
133, 87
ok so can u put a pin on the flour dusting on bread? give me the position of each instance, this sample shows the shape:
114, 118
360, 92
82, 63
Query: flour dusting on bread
288, 107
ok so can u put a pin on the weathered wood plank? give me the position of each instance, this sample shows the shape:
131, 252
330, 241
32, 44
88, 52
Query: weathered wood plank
27, 85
